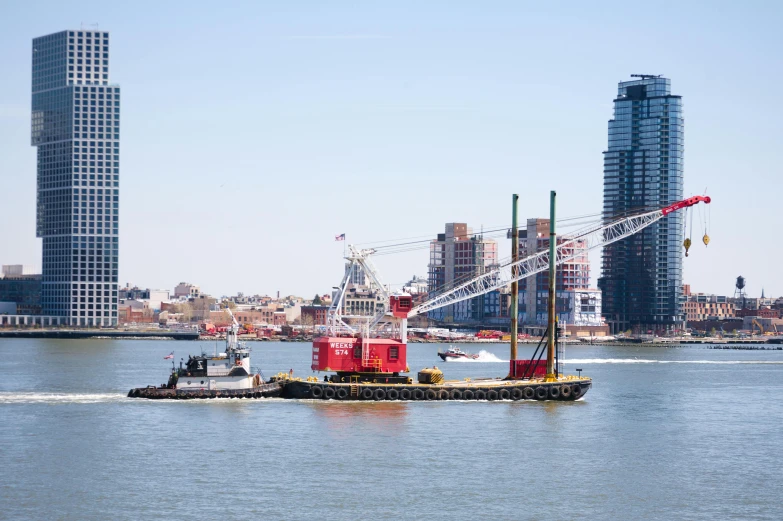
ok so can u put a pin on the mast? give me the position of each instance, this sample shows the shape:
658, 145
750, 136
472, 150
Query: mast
550, 352
515, 284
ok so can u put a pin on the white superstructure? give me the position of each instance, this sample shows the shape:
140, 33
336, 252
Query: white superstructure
228, 370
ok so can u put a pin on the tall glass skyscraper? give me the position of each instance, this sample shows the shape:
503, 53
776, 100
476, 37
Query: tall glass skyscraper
641, 277
76, 128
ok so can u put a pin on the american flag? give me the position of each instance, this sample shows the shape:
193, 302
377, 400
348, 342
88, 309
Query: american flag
169, 357
340, 237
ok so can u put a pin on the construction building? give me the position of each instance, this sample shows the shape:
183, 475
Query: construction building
458, 255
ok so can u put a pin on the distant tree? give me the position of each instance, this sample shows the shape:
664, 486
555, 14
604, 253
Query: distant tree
317, 300
187, 311
712, 332
308, 324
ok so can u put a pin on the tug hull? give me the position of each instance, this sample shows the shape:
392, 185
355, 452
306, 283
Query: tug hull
266, 390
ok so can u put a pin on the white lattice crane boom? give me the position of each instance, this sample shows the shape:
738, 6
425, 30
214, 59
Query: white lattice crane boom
357, 259
568, 249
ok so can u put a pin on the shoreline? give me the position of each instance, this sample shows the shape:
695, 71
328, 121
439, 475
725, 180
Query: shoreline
770, 344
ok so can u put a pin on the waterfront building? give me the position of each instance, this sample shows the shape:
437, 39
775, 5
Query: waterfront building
314, 315
457, 256
763, 324
24, 291
417, 286
267, 316
641, 277
20, 288
16, 270
155, 297
186, 289
362, 301
702, 306
570, 276
135, 311
751, 303
76, 129
358, 277
758, 312
578, 312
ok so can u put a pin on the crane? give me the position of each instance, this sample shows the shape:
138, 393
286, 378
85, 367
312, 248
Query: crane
358, 259
568, 249
756, 323
377, 345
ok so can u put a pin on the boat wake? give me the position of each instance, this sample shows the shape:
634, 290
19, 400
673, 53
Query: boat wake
483, 356
587, 361
58, 398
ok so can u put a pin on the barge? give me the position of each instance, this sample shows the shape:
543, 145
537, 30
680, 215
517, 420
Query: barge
367, 354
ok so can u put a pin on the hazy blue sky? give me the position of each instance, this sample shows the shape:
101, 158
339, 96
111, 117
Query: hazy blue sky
253, 132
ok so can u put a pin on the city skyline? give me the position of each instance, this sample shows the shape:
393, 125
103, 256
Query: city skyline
350, 103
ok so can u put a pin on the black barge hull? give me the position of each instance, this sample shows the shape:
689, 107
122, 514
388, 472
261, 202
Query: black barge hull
534, 391
268, 390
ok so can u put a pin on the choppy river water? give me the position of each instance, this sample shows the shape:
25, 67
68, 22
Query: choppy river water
677, 433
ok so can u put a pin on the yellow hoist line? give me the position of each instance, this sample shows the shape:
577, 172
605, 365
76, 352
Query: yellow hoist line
706, 238
687, 242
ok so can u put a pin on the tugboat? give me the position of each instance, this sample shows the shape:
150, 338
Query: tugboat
224, 375
367, 355
455, 352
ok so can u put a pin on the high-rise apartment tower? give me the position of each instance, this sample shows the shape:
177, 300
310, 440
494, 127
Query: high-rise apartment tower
76, 128
457, 256
641, 277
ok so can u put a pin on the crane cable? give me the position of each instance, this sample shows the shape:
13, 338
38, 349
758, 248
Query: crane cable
403, 247
707, 213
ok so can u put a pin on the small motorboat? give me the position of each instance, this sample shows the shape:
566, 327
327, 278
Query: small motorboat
455, 352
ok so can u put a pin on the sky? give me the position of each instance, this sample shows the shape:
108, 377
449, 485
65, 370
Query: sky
254, 132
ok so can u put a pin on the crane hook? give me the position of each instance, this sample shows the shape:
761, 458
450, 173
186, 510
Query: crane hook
687, 244
706, 239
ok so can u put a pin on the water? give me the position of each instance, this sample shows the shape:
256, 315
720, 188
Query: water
678, 433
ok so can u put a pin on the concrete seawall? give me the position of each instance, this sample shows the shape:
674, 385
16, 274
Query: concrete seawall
99, 333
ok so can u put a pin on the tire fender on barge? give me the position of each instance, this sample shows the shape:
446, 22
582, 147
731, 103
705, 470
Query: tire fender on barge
501, 391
